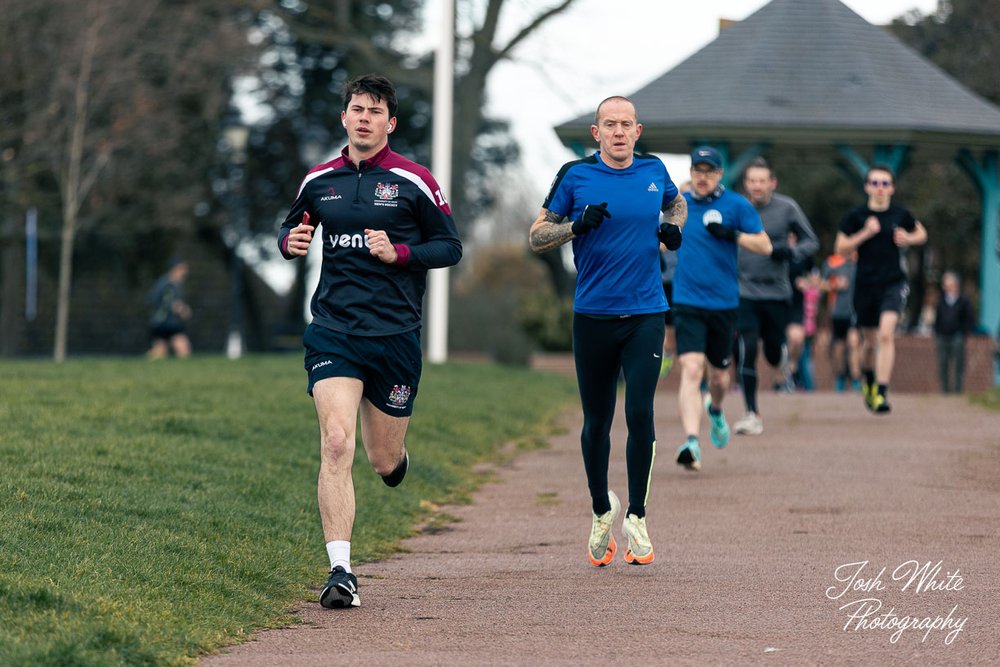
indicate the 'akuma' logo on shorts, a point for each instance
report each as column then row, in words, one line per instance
column 399, row 395
column 320, row 365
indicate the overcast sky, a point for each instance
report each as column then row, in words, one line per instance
column 610, row 47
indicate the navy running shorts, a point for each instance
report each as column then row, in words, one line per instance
column 768, row 317
column 389, row 366
column 870, row 302
column 710, row 332
column 165, row 331
column 841, row 326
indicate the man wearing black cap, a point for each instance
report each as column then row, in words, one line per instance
column 707, row 295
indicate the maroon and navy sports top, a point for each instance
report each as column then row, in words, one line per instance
column 358, row 293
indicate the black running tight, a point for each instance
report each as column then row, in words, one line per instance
column 604, row 348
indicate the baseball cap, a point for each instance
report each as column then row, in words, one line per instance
column 706, row 155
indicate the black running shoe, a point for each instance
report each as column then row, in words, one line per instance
column 396, row 476
column 880, row 405
column 341, row 590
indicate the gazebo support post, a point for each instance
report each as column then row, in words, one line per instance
column 985, row 173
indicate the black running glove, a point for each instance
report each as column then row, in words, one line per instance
column 781, row 253
column 670, row 235
column 593, row 216
column 720, row 231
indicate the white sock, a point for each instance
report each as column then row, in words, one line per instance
column 340, row 554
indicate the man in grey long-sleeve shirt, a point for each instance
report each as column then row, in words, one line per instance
column 765, row 289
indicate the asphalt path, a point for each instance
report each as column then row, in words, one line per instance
column 836, row 537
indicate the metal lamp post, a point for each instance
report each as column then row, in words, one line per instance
column 236, row 137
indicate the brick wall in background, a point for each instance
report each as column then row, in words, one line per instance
column 915, row 370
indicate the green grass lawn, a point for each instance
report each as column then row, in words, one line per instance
column 150, row 512
column 990, row 399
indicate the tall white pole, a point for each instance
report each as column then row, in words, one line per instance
column 444, row 74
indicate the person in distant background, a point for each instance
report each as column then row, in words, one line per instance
column 169, row 315
column 798, row 271
column 879, row 230
column 765, row 286
column 838, row 282
column 954, row 320
column 810, row 287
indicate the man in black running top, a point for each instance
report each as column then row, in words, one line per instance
column 879, row 231
column 382, row 222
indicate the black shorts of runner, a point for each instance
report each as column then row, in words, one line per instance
column 871, row 302
column 768, row 317
column 165, row 331
column 710, row 332
column 840, row 326
column 797, row 309
column 668, row 317
column 389, row 366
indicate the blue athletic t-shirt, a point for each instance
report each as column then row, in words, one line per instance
column 617, row 264
column 706, row 275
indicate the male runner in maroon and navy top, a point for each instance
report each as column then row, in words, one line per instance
column 383, row 222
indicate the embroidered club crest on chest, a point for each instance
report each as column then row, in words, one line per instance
column 399, row 395
column 386, row 194
column 386, row 191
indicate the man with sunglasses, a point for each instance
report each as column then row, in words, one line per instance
column 879, row 231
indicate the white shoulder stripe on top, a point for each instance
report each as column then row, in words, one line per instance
column 311, row 176
column 416, row 180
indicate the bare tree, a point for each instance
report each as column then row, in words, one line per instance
column 103, row 96
column 478, row 53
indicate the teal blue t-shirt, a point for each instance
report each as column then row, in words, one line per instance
column 618, row 264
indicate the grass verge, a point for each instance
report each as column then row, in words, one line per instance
column 989, row 399
column 150, row 512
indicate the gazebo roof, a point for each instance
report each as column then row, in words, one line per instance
column 806, row 72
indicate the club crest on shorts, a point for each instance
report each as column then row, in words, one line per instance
column 399, row 395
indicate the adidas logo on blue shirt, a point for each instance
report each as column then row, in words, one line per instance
column 652, row 188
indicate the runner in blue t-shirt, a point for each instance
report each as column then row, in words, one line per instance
column 707, row 296
column 615, row 199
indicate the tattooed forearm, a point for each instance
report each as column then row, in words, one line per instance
column 548, row 232
column 676, row 211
